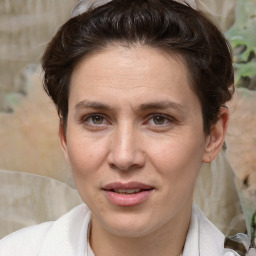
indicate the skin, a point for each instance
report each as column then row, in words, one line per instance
column 146, row 127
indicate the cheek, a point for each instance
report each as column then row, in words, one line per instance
column 178, row 165
column 85, row 156
column 86, row 159
column 177, row 160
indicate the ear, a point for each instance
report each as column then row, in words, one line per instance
column 63, row 141
column 215, row 139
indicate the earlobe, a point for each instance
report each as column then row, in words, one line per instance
column 216, row 137
column 63, row 141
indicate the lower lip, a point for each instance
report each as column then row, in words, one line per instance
column 127, row 199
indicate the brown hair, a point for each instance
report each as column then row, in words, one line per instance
column 163, row 24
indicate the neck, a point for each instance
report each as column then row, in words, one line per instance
column 165, row 241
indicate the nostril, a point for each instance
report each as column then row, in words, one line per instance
column 112, row 166
column 128, row 167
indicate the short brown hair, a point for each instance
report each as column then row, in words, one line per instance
column 163, row 24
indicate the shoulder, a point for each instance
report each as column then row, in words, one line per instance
column 212, row 237
column 32, row 240
column 26, row 241
column 207, row 238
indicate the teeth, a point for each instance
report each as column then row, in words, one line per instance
column 127, row 191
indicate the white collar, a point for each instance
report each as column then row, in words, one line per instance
column 68, row 234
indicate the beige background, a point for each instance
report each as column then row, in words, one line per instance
column 28, row 122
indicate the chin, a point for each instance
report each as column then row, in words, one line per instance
column 129, row 224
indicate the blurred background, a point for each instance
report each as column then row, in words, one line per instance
column 29, row 125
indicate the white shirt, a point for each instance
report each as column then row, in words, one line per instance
column 67, row 236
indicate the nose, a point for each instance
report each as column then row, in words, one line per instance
column 126, row 151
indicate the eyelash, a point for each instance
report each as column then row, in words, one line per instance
column 167, row 120
column 90, row 116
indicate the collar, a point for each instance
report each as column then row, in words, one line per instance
column 68, row 234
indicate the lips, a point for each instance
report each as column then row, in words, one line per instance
column 127, row 194
column 127, row 191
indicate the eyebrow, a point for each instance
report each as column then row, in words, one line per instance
column 146, row 106
column 92, row 104
column 161, row 105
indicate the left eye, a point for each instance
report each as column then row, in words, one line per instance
column 159, row 120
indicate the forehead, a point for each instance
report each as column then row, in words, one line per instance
column 136, row 72
column 129, row 62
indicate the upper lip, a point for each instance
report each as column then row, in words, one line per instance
column 129, row 185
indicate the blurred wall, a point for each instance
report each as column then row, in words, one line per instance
column 222, row 12
column 25, row 28
column 28, row 122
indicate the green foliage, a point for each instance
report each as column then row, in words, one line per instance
column 242, row 36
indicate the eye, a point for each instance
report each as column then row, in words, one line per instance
column 159, row 120
column 94, row 120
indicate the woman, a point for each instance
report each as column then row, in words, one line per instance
column 140, row 87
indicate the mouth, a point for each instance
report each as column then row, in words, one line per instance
column 128, row 191
column 127, row 194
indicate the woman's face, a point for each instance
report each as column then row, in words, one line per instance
column 134, row 139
